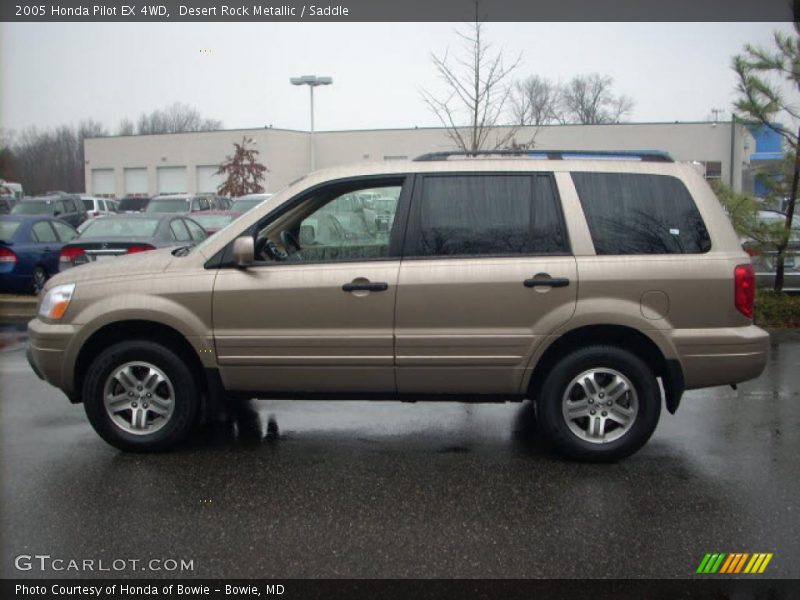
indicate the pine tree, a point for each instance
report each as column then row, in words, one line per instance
column 243, row 172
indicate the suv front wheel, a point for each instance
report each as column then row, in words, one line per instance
column 140, row 396
column 600, row 403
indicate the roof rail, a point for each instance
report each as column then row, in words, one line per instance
column 640, row 155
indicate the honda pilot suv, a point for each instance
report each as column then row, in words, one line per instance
column 596, row 285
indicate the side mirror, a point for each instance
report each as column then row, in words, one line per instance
column 244, row 251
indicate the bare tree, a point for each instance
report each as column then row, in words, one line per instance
column 534, row 101
column 243, row 172
column 53, row 159
column 477, row 91
column 126, row 127
column 175, row 118
column 588, row 100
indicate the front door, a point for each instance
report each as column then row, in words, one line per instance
column 316, row 314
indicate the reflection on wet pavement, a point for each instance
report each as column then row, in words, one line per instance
column 387, row 489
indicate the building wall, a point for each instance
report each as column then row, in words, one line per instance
column 286, row 153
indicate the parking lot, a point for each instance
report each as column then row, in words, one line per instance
column 338, row 489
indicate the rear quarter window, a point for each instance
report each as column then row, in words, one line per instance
column 636, row 213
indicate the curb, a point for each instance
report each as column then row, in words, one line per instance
column 16, row 309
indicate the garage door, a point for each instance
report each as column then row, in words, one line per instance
column 207, row 181
column 103, row 182
column 171, row 180
column 135, row 181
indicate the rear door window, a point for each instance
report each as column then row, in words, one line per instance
column 64, row 231
column 179, row 231
column 43, row 233
column 637, row 213
column 486, row 215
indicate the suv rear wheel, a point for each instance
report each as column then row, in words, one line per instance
column 140, row 396
column 600, row 403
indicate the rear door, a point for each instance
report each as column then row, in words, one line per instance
column 487, row 274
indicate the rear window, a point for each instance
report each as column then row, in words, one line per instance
column 120, row 228
column 633, row 213
column 213, row 221
column 8, row 229
column 132, row 203
column 35, row 207
column 168, row 206
column 486, row 215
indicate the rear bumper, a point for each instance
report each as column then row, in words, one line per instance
column 721, row 356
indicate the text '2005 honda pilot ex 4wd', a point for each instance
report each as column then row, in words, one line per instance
column 576, row 280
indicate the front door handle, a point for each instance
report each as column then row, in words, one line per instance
column 365, row 286
column 546, row 280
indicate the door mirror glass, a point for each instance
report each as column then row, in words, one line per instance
column 244, row 251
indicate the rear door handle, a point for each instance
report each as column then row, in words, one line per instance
column 367, row 286
column 546, row 281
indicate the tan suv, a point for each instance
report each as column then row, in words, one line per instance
column 578, row 281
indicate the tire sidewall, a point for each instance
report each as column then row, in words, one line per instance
column 599, row 357
column 186, row 397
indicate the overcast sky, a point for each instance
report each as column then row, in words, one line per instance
column 60, row 73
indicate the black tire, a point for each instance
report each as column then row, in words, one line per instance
column 39, row 279
column 186, row 397
column 554, row 424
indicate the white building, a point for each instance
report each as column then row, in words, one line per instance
column 186, row 162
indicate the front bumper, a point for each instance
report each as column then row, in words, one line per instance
column 721, row 356
column 48, row 354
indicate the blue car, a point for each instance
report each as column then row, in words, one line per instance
column 29, row 251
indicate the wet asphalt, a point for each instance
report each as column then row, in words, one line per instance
column 386, row 489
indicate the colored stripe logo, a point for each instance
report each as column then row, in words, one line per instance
column 734, row 563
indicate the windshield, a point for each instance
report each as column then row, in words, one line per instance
column 168, row 206
column 121, row 227
column 35, row 207
column 212, row 221
column 243, row 205
column 8, row 229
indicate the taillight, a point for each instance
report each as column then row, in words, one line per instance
column 96, row 213
column 69, row 254
column 744, row 289
column 7, row 256
column 140, row 248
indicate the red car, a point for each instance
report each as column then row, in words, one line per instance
column 214, row 220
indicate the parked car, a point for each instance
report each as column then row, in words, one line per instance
column 764, row 256
column 576, row 281
column 244, row 203
column 214, row 220
column 67, row 207
column 132, row 204
column 113, row 236
column 29, row 250
column 98, row 206
column 7, row 202
column 178, row 203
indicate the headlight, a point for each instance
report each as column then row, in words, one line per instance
column 56, row 301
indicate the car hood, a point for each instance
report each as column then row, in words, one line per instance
column 141, row 263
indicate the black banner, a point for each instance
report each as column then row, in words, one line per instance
column 395, row 10
column 415, row 589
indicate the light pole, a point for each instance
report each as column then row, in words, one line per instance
column 311, row 81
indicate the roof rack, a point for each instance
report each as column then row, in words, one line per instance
column 640, row 155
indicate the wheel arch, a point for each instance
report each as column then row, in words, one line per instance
column 136, row 329
column 628, row 338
